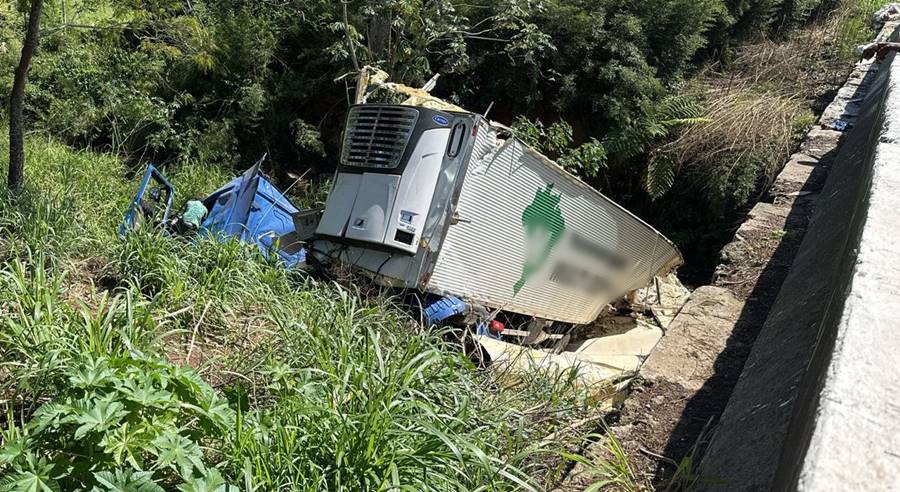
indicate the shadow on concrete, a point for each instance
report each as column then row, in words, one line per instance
column 703, row 410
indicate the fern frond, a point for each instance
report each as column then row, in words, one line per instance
column 623, row 142
column 679, row 122
column 660, row 175
column 677, row 108
column 635, row 140
column 655, row 130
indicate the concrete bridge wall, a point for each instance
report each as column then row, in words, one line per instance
column 815, row 407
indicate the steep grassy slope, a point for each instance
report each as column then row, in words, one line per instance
column 163, row 364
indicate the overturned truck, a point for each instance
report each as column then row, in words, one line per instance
column 439, row 200
column 434, row 200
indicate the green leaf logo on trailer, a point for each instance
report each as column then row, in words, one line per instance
column 544, row 227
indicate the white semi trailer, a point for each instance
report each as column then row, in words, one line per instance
column 437, row 201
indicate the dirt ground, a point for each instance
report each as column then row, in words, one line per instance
column 662, row 423
column 645, row 426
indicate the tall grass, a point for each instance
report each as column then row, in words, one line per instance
column 853, row 25
column 609, row 467
column 379, row 406
column 759, row 103
column 191, row 364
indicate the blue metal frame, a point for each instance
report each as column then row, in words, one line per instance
column 153, row 174
column 444, row 308
column 248, row 208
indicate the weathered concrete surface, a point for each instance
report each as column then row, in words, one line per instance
column 686, row 355
column 763, row 436
column 671, row 414
column 856, row 441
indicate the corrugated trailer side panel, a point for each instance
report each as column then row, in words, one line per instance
column 533, row 239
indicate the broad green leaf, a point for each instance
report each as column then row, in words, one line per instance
column 211, row 481
column 178, row 453
column 95, row 372
column 145, row 394
column 126, row 481
column 12, row 450
column 49, row 415
column 28, row 481
column 127, row 443
column 102, row 416
column 35, row 475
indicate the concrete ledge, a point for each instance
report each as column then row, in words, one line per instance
column 687, row 354
column 856, row 441
column 834, row 325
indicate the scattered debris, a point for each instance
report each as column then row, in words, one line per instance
column 373, row 87
column 625, row 352
column 839, row 125
column 249, row 208
column 664, row 297
column 605, row 383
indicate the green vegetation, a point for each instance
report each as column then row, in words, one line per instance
column 224, row 81
column 756, row 107
column 614, row 83
column 157, row 364
column 611, row 469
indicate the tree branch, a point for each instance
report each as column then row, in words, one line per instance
column 63, row 27
column 349, row 38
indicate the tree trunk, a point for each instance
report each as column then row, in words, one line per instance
column 379, row 36
column 17, row 98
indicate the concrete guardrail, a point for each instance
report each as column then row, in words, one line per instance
column 816, row 407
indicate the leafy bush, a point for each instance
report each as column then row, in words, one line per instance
column 226, row 81
column 626, row 145
column 107, row 405
column 133, row 418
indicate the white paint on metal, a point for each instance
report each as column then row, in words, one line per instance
column 376, row 196
column 417, row 190
column 340, row 204
column 603, row 253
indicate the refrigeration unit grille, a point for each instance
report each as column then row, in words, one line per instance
column 376, row 136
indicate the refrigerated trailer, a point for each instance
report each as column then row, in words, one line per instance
column 446, row 202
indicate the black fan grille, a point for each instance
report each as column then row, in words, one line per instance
column 377, row 136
